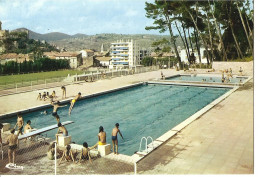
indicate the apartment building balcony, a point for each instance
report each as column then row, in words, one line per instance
column 120, row 63
column 119, row 47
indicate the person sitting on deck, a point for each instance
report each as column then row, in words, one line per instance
column 27, row 126
column 44, row 96
column 230, row 73
column 73, row 102
column 162, row 76
column 47, row 95
column 101, row 136
column 39, row 97
column 51, row 151
column 62, row 131
column 12, row 141
column 85, row 153
column 68, row 155
column 53, row 94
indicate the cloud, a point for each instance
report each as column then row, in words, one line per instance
column 131, row 13
column 74, row 16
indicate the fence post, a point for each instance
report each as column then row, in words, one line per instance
column 135, row 168
column 55, row 156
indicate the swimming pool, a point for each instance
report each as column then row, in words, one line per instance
column 207, row 78
column 144, row 110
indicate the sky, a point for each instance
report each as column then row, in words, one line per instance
column 76, row 16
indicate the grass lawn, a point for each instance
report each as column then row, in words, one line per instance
column 36, row 76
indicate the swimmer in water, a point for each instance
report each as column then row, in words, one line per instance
column 44, row 112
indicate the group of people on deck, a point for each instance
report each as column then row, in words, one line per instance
column 46, row 96
column 69, row 155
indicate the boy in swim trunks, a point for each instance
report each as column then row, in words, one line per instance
column 63, row 91
column 101, row 136
column 114, row 137
column 12, row 141
column 55, row 109
column 85, row 152
column 20, row 124
column 62, row 131
column 73, row 102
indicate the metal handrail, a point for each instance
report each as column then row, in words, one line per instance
column 141, row 143
column 146, row 146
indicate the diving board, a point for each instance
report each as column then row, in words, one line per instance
column 42, row 130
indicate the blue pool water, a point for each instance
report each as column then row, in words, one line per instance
column 208, row 78
column 145, row 110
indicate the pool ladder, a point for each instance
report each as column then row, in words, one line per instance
column 146, row 146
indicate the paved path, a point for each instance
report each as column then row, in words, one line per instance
column 219, row 142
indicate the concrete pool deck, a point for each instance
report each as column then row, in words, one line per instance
column 219, row 142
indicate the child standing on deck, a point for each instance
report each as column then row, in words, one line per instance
column 114, row 137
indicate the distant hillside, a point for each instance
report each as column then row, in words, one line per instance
column 82, row 41
column 54, row 36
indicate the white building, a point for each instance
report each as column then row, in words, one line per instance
column 104, row 61
column 87, row 53
column 124, row 54
column 74, row 58
column 203, row 55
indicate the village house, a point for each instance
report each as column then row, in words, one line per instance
column 74, row 57
column 87, row 53
column 104, row 61
column 14, row 57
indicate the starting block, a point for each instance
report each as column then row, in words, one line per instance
column 104, row 149
column 6, row 127
column 64, row 140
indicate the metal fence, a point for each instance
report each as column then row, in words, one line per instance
column 24, row 86
column 40, row 155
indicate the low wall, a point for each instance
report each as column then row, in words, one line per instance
column 247, row 67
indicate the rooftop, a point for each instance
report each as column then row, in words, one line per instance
column 103, row 58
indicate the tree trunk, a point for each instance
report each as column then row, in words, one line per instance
column 187, row 44
column 241, row 17
column 173, row 40
column 210, row 38
column 232, row 31
column 235, row 39
column 190, row 41
column 181, row 38
column 250, row 31
column 197, row 44
column 219, row 33
column 205, row 44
